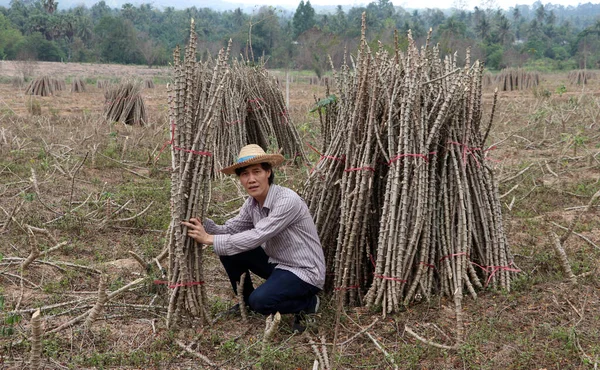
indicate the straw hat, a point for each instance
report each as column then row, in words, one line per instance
column 253, row 154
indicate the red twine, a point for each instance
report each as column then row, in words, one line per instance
column 493, row 269
column 428, row 265
column 466, row 150
column 170, row 142
column 453, row 255
column 416, row 155
column 382, row 276
column 321, row 157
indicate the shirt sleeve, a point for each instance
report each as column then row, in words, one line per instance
column 286, row 211
column 241, row 222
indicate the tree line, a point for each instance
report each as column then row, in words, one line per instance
column 539, row 36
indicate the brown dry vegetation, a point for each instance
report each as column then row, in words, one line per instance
column 95, row 187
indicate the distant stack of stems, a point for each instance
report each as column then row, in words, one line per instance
column 254, row 112
column 77, row 85
column 124, row 103
column 42, row 86
column 428, row 220
column 512, row 79
column 580, row 77
column 194, row 101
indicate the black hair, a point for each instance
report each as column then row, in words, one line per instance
column 265, row 166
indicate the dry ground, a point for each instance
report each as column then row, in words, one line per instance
column 100, row 191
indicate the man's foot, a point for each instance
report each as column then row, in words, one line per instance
column 303, row 319
column 315, row 308
column 231, row 311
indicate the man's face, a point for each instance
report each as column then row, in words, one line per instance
column 256, row 181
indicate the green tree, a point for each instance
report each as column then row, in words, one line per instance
column 117, row 40
column 10, row 37
column 304, row 18
column 39, row 48
column 503, row 30
column 339, row 22
column 99, row 11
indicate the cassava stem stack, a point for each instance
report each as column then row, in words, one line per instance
column 407, row 188
column 254, row 112
column 194, row 100
column 123, row 103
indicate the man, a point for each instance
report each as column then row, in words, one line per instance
column 273, row 236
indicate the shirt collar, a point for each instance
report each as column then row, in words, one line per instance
column 271, row 194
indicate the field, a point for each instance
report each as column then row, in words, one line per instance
column 86, row 193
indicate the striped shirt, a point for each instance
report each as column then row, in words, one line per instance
column 283, row 226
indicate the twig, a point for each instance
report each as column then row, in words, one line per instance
column 125, row 168
column 124, row 288
column 433, row 344
column 517, row 175
column 550, row 169
column 73, row 180
column 271, row 325
column 196, row 354
column 577, row 234
column 34, row 253
column 240, row 297
column 508, row 192
column 576, row 219
column 95, row 311
column 20, row 278
column 574, row 309
column 36, row 340
column 136, row 215
column 52, row 249
column 145, row 265
column 46, row 308
column 11, row 215
column 359, row 333
column 108, row 298
column 562, row 257
column 379, row 347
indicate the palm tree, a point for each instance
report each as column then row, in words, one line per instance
column 504, row 33
column 483, row 27
column 540, row 14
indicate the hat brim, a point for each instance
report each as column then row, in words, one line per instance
column 273, row 159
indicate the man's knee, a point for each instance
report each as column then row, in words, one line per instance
column 259, row 302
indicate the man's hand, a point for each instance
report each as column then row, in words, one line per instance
column 196, row 231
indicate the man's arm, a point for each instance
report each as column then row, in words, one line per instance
column 237, row 224
column 196, row 231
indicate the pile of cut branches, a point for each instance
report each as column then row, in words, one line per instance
column 59, row 85
column 148, row 84
column 123, row 103
column 42, row 86
column 254, row 112
column 194, row 101
column 404, row 182
column 511, row 79
column 77, row 85
column 580, row 77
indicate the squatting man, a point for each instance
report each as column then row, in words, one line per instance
column 273, row 236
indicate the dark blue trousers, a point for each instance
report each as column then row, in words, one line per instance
column 282, row 291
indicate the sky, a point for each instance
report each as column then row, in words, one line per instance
column 422, row 4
